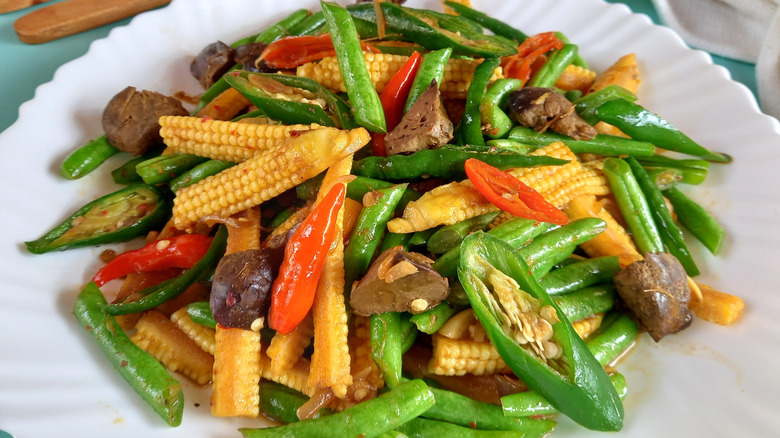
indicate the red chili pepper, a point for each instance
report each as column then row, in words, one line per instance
column 519, row 66
column 510, row 194
column 181, row 251
column 393, row 99
column 292, row 294
column 290, row 52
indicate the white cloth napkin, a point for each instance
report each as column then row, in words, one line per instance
column 746, row 30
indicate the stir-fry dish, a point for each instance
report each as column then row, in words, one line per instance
column 387, row 221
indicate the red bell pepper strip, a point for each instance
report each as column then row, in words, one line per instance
column 393, row 99
column 510, row 194
column 181, row 251
column 290, row 52
column 519, row 66
column 292, row 293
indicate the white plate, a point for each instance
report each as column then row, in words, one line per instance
column 706, row 381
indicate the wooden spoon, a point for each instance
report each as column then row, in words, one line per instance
column 73, row 16
column 15, row 5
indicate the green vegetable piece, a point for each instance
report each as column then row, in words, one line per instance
column 580, row 274
column 552, row 69
column 366, row 106
column 314, row 24
column 505, row 144
column 168, row 290
column 408, row 331
column 471, row 125
column 586, row 106
column 337, row 107
column 126, row 174
column 664, row 177
column 427, row 428
column 392, row 240
column 361, row 185
column 198, row 173
column 368, row 419
column 450, row 236
column 214, row 90
column 496, row 121
column 496, row 26
column 694, row 171
column 282, row 403
column 117, row 217
column 142, row 371
column 633, row 205
column 87, row 158
column 499, row 91
column 575, row 383
column 607, row 145
column 697, row 220
column 420, row 238
column 164, row 168
column 200, row 313
column 386, row 345
column 644, row 125
column 431, row 69
column 586, row 301
column 275, row 31
column 434, row 318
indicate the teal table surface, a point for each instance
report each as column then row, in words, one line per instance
column 24, row 67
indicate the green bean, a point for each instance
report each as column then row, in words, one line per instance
column 164, row 168
column 573, row 95
column 580, row 274
column 587, row 105
column 450, row 236
column 281, row 217
column 367, row 234
column 498, row 27
column 552, row 69
column 368, row 419
column 171, row 289
column 198, row 173
column 671, row 236
column 633, row 205
column 664, row 177
column 550, row 248
column 420, row 238
column 141, row 370
column 694, row 171
column 126, row 174
column 408, row 331
column 366, row 106
column 516, row 232
column 274, row 31
column 386, row 349
column 511, row 146
column 499, row 91
column 434, row 318
column 392, row 434
column 200, row 313
column 578, row 60
column 602, row 144
column 613, row 338
column 431, row 69
column 392, row 240
column 87, row 158
column 586, row 301
column 471, row 125
column 314, row 24
column 495, row 119
column 697, row 220
column 282, row 403
column 426, row 428
column 362, row 185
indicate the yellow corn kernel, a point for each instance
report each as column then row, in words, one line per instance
column 266, row 175
column 225, row 106
column 575, row 77
column 381, row 67
column 297, row 377
column 366, row 377
column 203, row 336
column 586, row 326
column 458, row 201
column 285, row 350
column 237, row 370
column 456, row 357
column 223, row 140
column 589, row 180
column 157, row 335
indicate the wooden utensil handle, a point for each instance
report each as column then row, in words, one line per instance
column 74, row 16
column 14, row 5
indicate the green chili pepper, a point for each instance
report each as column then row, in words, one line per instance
column 461, row 410
column 645, row 125
column 693, row 171
column 586, row 301
column 141, row 370
column 367, row 234
column 164, row 168
column 434, row 318
column 285, row 111
column 453, row 23
column 386, row 348
column 198, row 173
column 671, row 236
column 368, row 419
column 633, row 205
column 450, row 236
column 126, row 174
column 87, row 158
column 498, row 27
column 171, row 289
column 336, row 105
column 552, row 69
column 697, row 220
column 575, row 383
column 117, row 217
column 282, row 403
column 471, row 125
column 431, row 69
column 607, row 145
column 587, row 105
column 580, row 274
column 200, row 313
column 364, row 98
column 443, row 162
column 516, row 232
